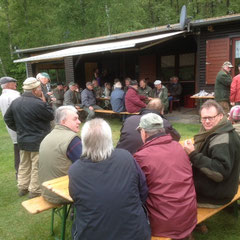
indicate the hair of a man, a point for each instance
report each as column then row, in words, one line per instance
column 155, row 104
column 211, row 103
column 4, row 85
column 97, row 144
column 62, row 112
column 117, row 85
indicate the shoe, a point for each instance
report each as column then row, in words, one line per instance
column 201, row 228
column 33, row 195
column 22, row 192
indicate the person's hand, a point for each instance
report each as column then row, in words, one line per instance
column 91, row 108
column 53, row 99
column 49, row 93
column 150, row 98
column 188, row 146
column 232, row 103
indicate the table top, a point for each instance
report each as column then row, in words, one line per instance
column 59, row 186
column 203, row 97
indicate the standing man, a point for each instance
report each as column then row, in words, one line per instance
column 30, row 116
column 171, row 201
column 214, row 157
column 9, row 94
column 89, row 101
column 161, row 92
column 44, row 79
column 222, row 86
column 235, row 89
column 59, row 149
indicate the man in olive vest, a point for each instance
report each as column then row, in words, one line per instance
column 59, row 149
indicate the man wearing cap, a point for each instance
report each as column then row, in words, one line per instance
column 44, row 79
column 235, row 89
column 30, row 116
column 160, row 91
column 171, row 201
column 214, row 157
column 133, row 101
column 89, row 101
column 130, row 138
column 234, row 117
column 9, row 94
column 58, row 94
column 71, row 95
column 222, row 86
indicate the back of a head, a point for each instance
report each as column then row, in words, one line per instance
column 62, row 112
column 234, row 114
column 117, row 85
column 152, row 123
column 96, row 138
column 156, row 105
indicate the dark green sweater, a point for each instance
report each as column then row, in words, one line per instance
column 222, row 86
column 216, row 166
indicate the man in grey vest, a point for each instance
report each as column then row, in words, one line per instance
column 59, row 149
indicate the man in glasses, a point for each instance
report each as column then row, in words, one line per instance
column 214, row 157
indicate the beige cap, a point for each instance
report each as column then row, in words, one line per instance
column 30, row 83
column 228, row 64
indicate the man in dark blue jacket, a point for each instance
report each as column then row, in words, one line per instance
column 117, row 98
column 108, row 189
column 30, row 116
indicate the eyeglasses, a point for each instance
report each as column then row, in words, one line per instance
column 210, row 119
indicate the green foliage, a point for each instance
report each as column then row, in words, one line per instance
column 31, row 23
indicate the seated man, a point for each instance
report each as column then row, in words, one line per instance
column 71, row 95
column 214, row 157
column 130, row 138
column 117, row 98
column 89, row 101
column 108, row 189
column 144, row 89
column 174, row 89
column 59, row 149
column 161, row 92
column 134, row 101
column 97, row 89
column 171, row 201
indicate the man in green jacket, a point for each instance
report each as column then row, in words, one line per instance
column 222, row 86
column 214, row 157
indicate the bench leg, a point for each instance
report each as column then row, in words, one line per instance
column 52, row 221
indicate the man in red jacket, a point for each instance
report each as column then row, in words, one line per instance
column 171, row 201
column 235, row 89
column 134, row 101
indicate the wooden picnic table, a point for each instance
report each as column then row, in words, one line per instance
column 201, row 98
column 59, row 186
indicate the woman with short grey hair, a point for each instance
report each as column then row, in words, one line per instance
column 108, row 189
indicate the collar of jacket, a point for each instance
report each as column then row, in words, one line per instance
column 29, row 94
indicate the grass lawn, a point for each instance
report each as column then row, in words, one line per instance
column 17, row 224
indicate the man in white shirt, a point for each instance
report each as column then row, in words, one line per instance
column 9, row 93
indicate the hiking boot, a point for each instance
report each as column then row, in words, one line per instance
column 22, row 192
column 33, row 195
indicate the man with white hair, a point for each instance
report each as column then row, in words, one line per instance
column 171, row 201
column 117, row 98
column 9, row 94
column 44, row 79
column 108, row 189
column 160, row 91
column 59, row 149
column 30, row 116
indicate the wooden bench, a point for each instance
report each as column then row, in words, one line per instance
column 110, row 112
column 39, row 204
column 205, row 213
